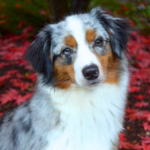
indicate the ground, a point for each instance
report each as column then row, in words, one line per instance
column 17, row 80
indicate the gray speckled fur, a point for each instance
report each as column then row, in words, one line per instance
column 27, row 126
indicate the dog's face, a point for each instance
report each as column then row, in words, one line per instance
column 83, row 49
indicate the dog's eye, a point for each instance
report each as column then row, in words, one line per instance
column 98, row 42
column 67, row 51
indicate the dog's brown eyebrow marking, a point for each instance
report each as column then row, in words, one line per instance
column 70, row 41
column 90, row 35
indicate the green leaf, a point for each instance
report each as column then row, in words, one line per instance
column 26, row 74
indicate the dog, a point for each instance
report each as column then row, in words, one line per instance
column 81, row 89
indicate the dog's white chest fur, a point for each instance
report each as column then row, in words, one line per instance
column 90, row 119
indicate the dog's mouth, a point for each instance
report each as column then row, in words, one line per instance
column 93, row 84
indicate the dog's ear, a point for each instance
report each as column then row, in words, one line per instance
column 38, row 54
column 117, row 29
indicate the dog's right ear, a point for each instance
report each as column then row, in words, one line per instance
column 38, row 54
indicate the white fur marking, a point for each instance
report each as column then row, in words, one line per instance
column 84, row 126
column 84, row 56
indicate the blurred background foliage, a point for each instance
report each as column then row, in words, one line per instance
column 137, row 11
column 15, row 15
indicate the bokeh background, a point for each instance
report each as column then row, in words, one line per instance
column 15, row 15
column 20, row 21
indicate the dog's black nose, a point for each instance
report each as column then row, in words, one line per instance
column 90, row 72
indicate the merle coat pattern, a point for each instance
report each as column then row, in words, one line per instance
column 47, row 121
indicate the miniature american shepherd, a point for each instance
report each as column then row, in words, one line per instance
column 81, row 89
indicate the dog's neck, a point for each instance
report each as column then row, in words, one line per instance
column 78, row 99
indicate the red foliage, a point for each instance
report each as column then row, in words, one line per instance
column 17, row 73
column 17, row 80
column 10, row 95
column 138, row 107
column 123, row 7
column 145, row 146
column 146, row 126
column 2, row 22
column 18, row 5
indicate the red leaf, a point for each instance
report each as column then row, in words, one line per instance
column 20, row 76
column 28, row 67
column 12, row 72
column 145, row 146
column 2, row 21
column 124, row 8
column 141, row 97
column 128, row 110
column 27, row 30
column 19, row 83
column 141, row 104
column 124, row 144
column 10, row 95
column 146, row 126
column 43, row 12
column 145, row 139
column 32, row 76
column 20, row 99
column 132, row 24
column 2, row 64
column 18, row 5
column 133, row 89
column 136, row 114
column 20, row 24
column 13, row 56
column 8, row 45
column 3, row 79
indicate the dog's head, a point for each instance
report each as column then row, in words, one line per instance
column 84, row 49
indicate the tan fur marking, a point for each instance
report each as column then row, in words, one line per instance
column 110, row 65
column 90, row 35
column 70, row 41
column 64, row 75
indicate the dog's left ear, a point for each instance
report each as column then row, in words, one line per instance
column 38, row 54
column 117, row 29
